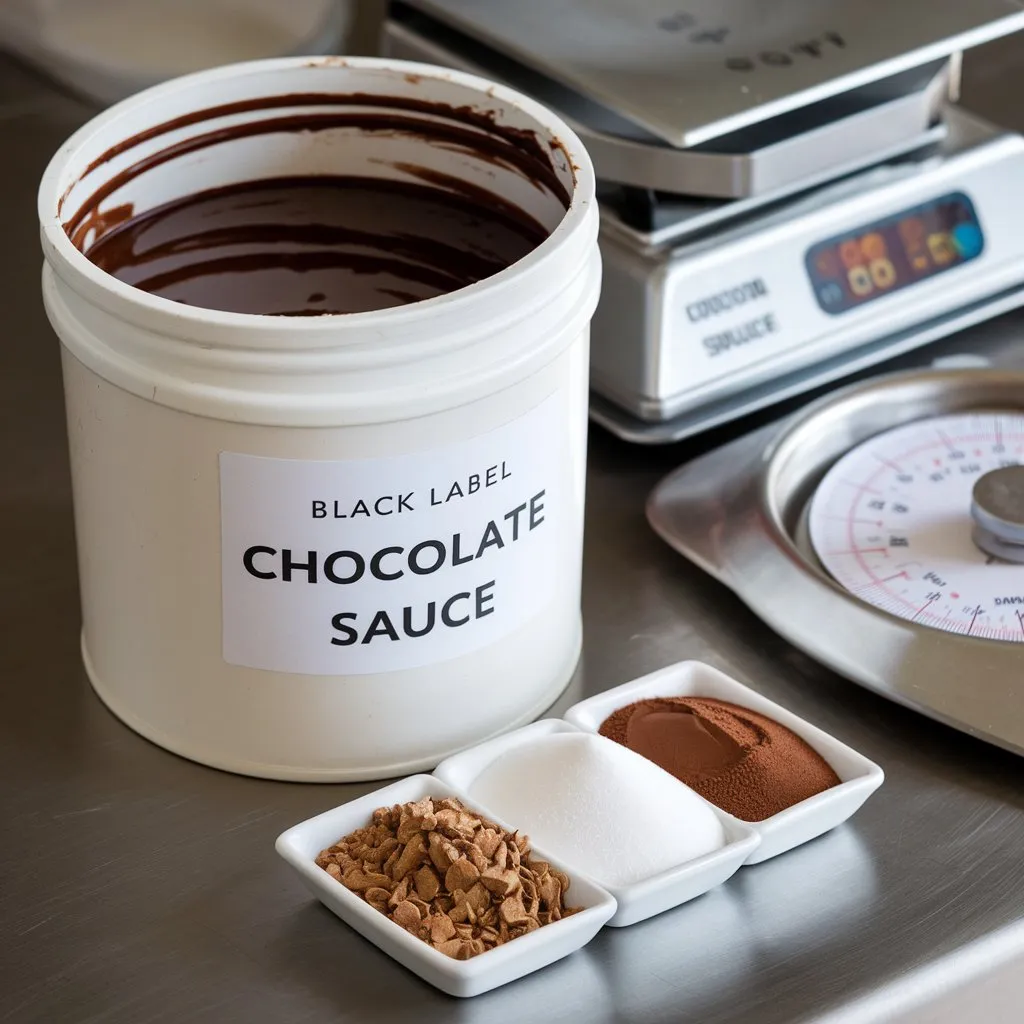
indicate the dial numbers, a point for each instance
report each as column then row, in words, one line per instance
column 891, row 522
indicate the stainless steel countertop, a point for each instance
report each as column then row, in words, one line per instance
column 138, row 887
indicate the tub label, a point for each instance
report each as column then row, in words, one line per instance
column 372, row 565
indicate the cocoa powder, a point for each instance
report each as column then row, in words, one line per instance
column 744, row 762
column 448, row 876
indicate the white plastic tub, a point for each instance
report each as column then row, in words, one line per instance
column 212, row 452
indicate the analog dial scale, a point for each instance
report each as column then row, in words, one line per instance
column 892, row 522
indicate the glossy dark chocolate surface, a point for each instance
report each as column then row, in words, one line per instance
column 314, row 245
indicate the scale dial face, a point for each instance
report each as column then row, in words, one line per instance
column 891, row 522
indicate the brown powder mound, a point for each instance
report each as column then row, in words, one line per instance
column 744, row 762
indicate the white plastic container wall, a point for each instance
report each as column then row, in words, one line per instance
column 336, row 547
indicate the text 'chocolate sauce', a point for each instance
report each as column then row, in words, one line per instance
column 304, row 246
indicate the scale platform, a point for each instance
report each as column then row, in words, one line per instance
column 788, row 192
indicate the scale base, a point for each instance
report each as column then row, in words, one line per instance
column 628, row 427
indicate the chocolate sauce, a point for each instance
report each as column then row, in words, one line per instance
column 514, row 147
column 475, row 132
column 304, row 246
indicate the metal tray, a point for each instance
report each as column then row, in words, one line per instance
column 737, row 513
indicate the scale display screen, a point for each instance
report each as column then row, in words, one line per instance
column 877, row 259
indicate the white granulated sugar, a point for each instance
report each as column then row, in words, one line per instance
column 598, row 807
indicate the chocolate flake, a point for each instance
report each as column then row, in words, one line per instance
column 458, row 882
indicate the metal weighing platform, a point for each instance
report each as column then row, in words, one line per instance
column 139, row 888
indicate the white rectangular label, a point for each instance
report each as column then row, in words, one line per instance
column 372, row 565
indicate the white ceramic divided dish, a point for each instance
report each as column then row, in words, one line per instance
column 300, row 845
column 798, row 824
column 639, row 900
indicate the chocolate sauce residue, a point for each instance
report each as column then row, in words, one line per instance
column 463, row 128
column 313, row 245
column 524, row 140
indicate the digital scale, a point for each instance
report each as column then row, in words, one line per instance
column 788, row 192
